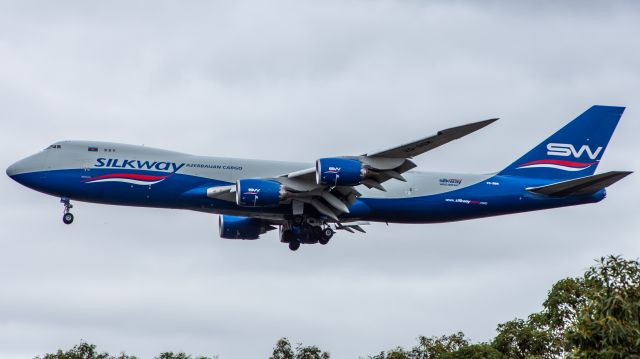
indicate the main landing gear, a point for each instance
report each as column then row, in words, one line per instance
column 299, row 231
column 67, row 217
column 326, row 235
column 294, row 245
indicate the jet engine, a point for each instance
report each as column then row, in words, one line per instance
column 234, row 227
column 258, row 193
column 340, row 172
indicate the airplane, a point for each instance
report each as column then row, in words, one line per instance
column 309, row 203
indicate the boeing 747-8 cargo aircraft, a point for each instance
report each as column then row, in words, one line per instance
column 308, row 203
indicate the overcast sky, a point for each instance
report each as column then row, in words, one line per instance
column 297, row 80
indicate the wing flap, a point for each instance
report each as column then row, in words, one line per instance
column 581, row 186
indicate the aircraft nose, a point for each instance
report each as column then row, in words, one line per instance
column 13, row 169
column 22, row 166
column 29, row 172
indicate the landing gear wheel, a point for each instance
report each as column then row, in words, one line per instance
column 316, row 233
column 294, row 245
column 288, row 236
column 297, row 220
column 67, row 218
column 327, row 233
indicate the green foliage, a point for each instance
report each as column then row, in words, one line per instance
column 397, row 353
column 181, row 355
column 475, row 351
column 428, row 348
column 283, row 350
column 595, row 316
column 310, row 352
column 172, row 355
column 88, row 351
column 83, row 351
column 563, row 302
column 521, row 339
column 435, row 347
column 608, row 325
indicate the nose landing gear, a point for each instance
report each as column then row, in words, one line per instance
column 67, row 217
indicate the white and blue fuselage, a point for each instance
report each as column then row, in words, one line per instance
column 140, row 176
column 129, row 175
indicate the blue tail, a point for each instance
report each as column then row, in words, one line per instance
column 572, row 152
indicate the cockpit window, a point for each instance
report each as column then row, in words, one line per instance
column 53, row 146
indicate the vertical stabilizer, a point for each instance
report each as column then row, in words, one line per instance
column 574, row 151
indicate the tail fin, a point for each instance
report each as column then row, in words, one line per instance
column 572, row 152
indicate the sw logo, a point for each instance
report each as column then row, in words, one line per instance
column 567, row 149
column 333, row 170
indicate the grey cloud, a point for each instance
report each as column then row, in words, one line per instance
column 307, row 79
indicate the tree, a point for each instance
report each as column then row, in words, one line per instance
column 608, row 324
column 397, row 353
column 310, row 352
column 475, row 351
column 88, row 351
column 520, row 339
column 282, row 350
column 181, row 355
column 83, row 350
column 561, row 307
column 172, row 355
column 436, row 347
column 595, row 316
column 428, row 348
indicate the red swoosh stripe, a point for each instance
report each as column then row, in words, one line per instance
column 128, row 176
column 559, row 162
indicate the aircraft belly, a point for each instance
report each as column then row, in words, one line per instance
column 488, row 196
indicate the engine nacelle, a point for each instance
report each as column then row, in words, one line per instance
column 258, row 193
column 234, row 227
column 339, row 172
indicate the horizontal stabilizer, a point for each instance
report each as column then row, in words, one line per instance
column 581, row 186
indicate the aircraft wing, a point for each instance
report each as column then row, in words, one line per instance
column 421, row 146
column 392, row 162
column 331, row 199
